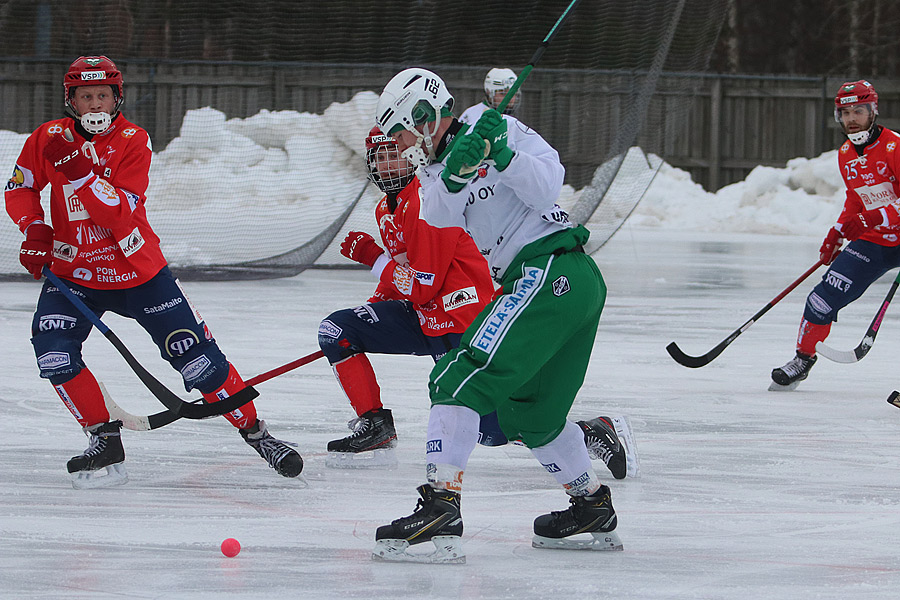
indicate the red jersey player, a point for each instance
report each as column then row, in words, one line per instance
column 431, row 284
column 870, row 166
column 100, row 243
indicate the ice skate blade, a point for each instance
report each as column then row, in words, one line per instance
column 448, row 551
column 777, row 387
column 88, row 480
column 606, row 542
column 383, row 458
column 626, row 438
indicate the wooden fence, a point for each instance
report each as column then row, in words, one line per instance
column 733, row 123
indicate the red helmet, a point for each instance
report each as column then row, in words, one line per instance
column 856, row 92
column 386, row 168
column 93, row 70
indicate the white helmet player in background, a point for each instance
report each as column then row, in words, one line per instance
column 412, row 98
column 497, row 83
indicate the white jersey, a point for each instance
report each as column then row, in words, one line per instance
column 502, row 211
column 471, row 114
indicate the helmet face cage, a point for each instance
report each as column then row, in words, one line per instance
column 386, row 167
column 93, row 70
column 499, row 81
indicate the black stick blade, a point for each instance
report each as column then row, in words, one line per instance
column 692, row 362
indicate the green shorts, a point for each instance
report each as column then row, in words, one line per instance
column 526, row 353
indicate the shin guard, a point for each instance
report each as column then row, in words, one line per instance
column 452, row 435
column 357, row 378
column 566, row 458
column 242, row 417
column 84, row 399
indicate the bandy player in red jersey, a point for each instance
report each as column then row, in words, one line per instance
column 870, row 166
column 98, row 240
column 432, row 282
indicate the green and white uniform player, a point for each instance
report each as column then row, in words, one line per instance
column 526, row 354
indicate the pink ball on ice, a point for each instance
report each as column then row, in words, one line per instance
column 231, row 547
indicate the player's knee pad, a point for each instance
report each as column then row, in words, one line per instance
column 337, row 335
column 58, row 357
column 202, row 366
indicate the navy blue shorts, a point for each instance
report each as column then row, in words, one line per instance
column 857, row 267
column 160, row 308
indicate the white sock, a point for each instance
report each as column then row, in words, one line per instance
column 566, row 458
column 452, row 435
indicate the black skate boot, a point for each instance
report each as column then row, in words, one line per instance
column 104, row 451
column 789, row 376
column 369, row 445
column 587, row 514
column 603, row 444
column 280, row 456
column 436, row 519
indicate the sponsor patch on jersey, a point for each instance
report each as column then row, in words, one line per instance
column 366, row 313
column 552, row 467
column 74, row 208
column 432, row 446
column 53, row 322
column 876, row 196
column 105, row 192
column 64, row 251
column 561, row 286
column 329, row 329
column 132, row 242
column 133, row 199
column 180, row 341
column 838, row 281
column 424, row 278
column 53, row 360
column 82, row 274
column 195, row 368
column 403, row 279
column 460, row 298
column 21, row 177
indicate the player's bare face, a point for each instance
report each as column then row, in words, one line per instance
column 93, row 99
column 856, row 118
column 390, row 164
column 405, row 139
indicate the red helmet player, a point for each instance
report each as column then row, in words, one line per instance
column 860, row 99
column 89, row 71
column 386, row 168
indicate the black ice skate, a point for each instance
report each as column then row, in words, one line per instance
column 603, row 444
column 280, row 456
column 593, row 515
column 104, row 451
column 436, row 519
column 370, row 445
column 788, row 377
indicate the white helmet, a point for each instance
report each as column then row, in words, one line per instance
column 414, row 97
column 501, row 80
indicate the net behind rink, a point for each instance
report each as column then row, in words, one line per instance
column 258, row 111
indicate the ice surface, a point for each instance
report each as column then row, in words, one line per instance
column 743, row 493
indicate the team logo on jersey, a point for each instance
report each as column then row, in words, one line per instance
column 482, row 170
column 64, row 251
column 131, row 243
column 18, row 179
column 54, row 129
column 105, row 192
column 180, row 341
column 561, row 286
column 127, row 133
column 890, row 146
column 459, row 298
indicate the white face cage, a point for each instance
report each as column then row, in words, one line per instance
column 96, row 123
column 387, row 169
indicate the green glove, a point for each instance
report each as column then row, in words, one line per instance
column 492, row 127
column 462, row 164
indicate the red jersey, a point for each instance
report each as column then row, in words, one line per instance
column 438, row 269
column 872, row 183
column 101, row 235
